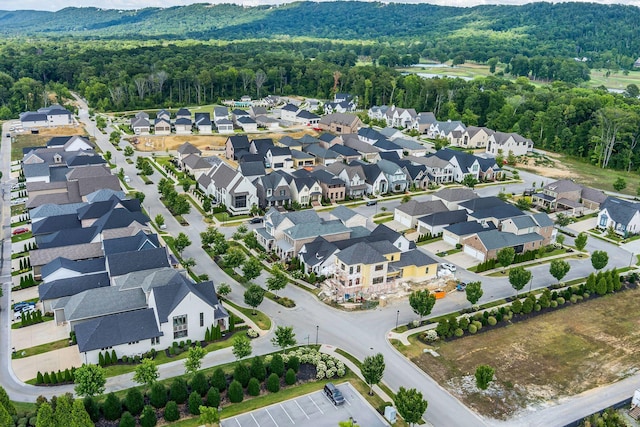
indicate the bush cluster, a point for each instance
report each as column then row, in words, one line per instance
column 51, row 378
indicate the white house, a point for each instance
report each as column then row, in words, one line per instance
column 621, row 215
column 229, row 187
column 55, row 115
column 508, row 142
column 288, row 113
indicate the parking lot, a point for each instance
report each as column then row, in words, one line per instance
column 313, row 409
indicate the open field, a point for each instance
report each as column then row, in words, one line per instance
column 539, row 360
column 25, row 140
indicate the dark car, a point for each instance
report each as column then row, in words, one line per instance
column 256, row 220
column 19, row 306
column 334, row 395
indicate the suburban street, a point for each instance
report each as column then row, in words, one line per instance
column 359, row 333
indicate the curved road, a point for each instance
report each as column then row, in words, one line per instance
column 359, row 333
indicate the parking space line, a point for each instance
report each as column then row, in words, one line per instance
column 239, row 425
column 321, row 411
column 269, row 413
column 254, row 419
column 285, row 411
column 330, row 402
column 305, row 414
column 347, row 400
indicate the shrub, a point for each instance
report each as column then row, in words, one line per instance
column 257, row 369
column 458, row 332
column 241, row 374
column 134, row 401
column 112, row 408
column 290, row 377
column 178, row 391
column 213, row 397
column 127, row 420
column 573, row 299
column 195, row 401
column 430, row 335
column 273, row 383
column 478, row 325
column 473, row 329
column 235, row 393
column 553, row 304
column 254, row 387
column 293, row 363
column 199, row 383
column 252, row 333
column 527, row 306
column 560, row 300
column 277, row 365
column 171, row 412
column 91, row 406
column 158, row 396
column 463, row 323
column 219, row 380
column 516, row 306
column 107, row 358
column 491, row 321
column 39, row 378
column 148, row 417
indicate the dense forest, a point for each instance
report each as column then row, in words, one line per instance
column 129, row 60
column 606, row 34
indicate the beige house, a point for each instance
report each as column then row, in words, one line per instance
column 476, row 137
column 340, row 123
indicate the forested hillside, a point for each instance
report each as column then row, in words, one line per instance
column 604, row 33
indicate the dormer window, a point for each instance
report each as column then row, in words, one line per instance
column 57, row 158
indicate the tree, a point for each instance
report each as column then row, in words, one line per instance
column 148, row 417
column 559, row 269
column 181, row 242
column 134, row 401
column 581, row 241
column 193, row 362
column 273, row 383
column 257, row 369
column 199, row 383
column 560, row 239
column 277, row 365
column 523, row 204
column 484, row 375
column 146, row 373
column 410, row 404
column 178, row 391
column 505, row 256
column 159, row 220
column 90, row 380
column 474, row 292
column 242, row 374
column 518, row 277
column 213, row 397
column 251, row 268
column 6, row 402
column 234, row 258
column 253, row 296
column 290, row 377
column 128, row 151
column 127, row 420
column 599, row 259
column 223, row 289
column 469, row 181
column 563, row 220
column 6, row 420
column 219, row 380
column 92, row 408
column 195, row 402
column 372, row 370
column 619, row 184
column 284, row 337
column 254, row 387
column 158, row 396
column 241, row 346
column 45, row 417
column 277, row 280
column 112, row 408
column 208, row 416
column 422, row 302
column 235, row 393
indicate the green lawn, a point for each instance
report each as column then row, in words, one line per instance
column 260, row 319
column 17, row 325
column 44, row 348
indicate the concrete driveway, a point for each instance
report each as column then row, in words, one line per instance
column 312, row 409
column 38, row 334
column 463, row 260
column 437, row 246
column 65, row 358
column 585, row 225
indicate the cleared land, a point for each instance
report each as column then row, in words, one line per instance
column 539, row 360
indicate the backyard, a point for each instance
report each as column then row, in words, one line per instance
column 540, row 360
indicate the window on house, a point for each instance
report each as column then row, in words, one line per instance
column 180, row 326
column 379, row 267
column 282, row 192
column 155, row 340
column 358, row 269
column 201, row 320
column 378, row 280
column 351, row 270
column 240, row 201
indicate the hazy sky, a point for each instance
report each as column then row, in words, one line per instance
column 53, row 5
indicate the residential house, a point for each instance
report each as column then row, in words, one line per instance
column 275, row 223
column 391, row 133
column 183, row 113
column 278, row 158
column 255, row 111
column 339, row 107
column 187, row 149
column 340, row 123
column 305, row 190
column 307, row 118
column 489, row 209
column 376, row 179
column 195, row 165
column 183, row 125
column 247, row 124
column 273, row 189
column 42, row 257
column 252, row 170
column 386, row 146
column 288, row 113
column 485, row 245
column 333, row 188
column 342, row 97
column 202, row 123
column 236, row 146
column 140, row 123
column 295, row 237
column 408, row 213
column 237, row 113
column 377, row 112
column 354, row 177
column 452, row 197
column 367, row 151
column 54, row 115
column 326, row 140
column 230, row 188
column 162, row 126
column 435, row 223
column 476, row 137
column 52, row 291
column 301, row 159
column 164, row 114
column 566, row 195
column 349, row 217
column 455, row 234
column 396, row 177
column 323, row 156
column 417, row 175
column 70, row 143
column 623, row 216
column 369, row 135
column 318, row 257
column 220, row 113
column 291, row 143
column 424, row 122
column 400, row 117
column 441, row 129
column 348, row 154
column 463, row 163
column 501, row 142
column 224, row 126
column 267, row 122
column 410, row 147
column 439, row 171
column 537, row 223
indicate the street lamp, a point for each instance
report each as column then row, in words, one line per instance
column 397, row 316
column 317, row 329
column 631, row 260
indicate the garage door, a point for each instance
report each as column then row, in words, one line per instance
column 449, row 239
column 474, row 253
column 403, row 219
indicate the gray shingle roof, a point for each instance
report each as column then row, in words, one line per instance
column 343, row 213
column 414, row 257
column 85, row 266
column 65, row 238
column 494, row 239
column 188, row 148
column 360, row 253
column 469, row 227
column 543, row 219
column 148, row 279
column 317, row 251
column 456, row 194
column 56, row 223
column 72, row 252
column 480, row 203
column 126, row 262
column 112, row 300
column 139, row 242
column 72, row 285
column 415, row 208
column 50, row 209
column 312, row 229
column 445, row 217
column 498, row 212
column 169, row 296
column 620, row 210
column 524, row 221
column 116, row 329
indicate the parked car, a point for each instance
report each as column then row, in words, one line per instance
column 8, row 135
column 20, row 305
column 256, row 220
column 372, row 202
column 460, row 287
column 447, row 266
column 24, row 310
column 20, row 230
column 334, row 395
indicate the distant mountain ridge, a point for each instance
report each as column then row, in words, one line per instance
column 568, row 29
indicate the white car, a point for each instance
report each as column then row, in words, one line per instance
column 25, row 310
column 447, row 266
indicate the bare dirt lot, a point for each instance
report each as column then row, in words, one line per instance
column 539, row 360
column 552, row 167
column 216, row 141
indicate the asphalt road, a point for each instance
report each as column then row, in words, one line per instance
column 359, row 333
